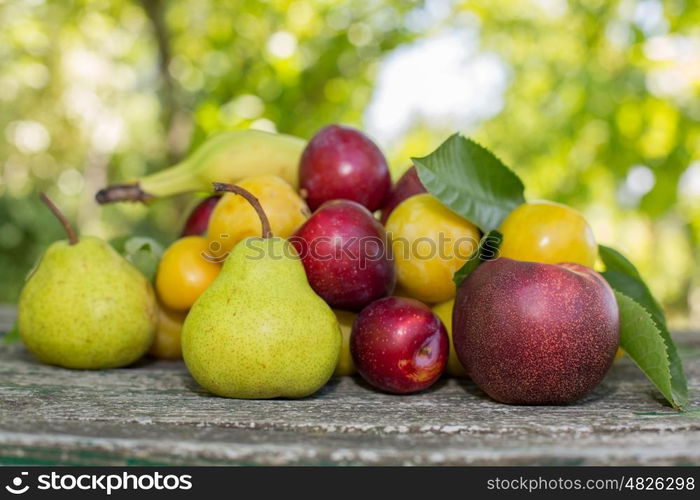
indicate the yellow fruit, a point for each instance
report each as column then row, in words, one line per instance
column 429, row 242
column 444, row 312
column 234, row 218
column 619, row 354
column 544, row 231
column 166, row 344
column 345, row 365
column 185, row 272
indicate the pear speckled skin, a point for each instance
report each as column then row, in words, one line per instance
column 535, row 333
column 86, row 307
column 259, row 331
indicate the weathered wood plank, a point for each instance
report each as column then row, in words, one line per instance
column 154, row 413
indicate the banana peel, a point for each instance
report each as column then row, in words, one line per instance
column 225, row 157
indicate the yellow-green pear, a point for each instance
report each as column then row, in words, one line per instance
column 85, row 306
column 259, row 330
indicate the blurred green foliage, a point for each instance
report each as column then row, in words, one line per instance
column 601, row 109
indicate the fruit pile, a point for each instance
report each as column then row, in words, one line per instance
column 305, row 262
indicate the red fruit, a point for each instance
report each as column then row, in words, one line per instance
column 344, row 251
column 399, row 345
column 534, row 333
column 342, row 163
column 407, row 185
column 198, row 220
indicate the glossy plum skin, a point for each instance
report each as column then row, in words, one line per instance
column 399, row 345
column 342, row 163
column 408, row 185
column 344, row 251
column 535, row 333
column 198, row 220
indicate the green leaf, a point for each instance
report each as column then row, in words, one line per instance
column 471, row 181
column 136, row 244
column 13, row 335
column 623, row 276
column 637, row 289
column 143, row 252
column 615, row 261
column 643, row 342
column 488, row 250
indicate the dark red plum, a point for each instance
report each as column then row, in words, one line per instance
column 534, row 333
column 342, row 163
column 198, row 220
column 399, row 345
column 408, row 185
column 344, row 250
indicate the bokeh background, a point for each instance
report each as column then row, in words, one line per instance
column 594, row 103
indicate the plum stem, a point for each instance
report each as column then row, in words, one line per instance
column 72, row 238
column 250, row 198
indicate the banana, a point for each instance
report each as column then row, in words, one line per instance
column 226, row 157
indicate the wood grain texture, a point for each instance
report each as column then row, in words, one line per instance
column 154, row 413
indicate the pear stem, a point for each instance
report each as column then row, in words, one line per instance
column 250, row 198
column 122, row 192
column 72, row 238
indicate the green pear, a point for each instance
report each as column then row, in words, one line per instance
column 85, row 306
column 259, row 330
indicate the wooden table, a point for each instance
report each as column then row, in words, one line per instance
column 154, row 413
